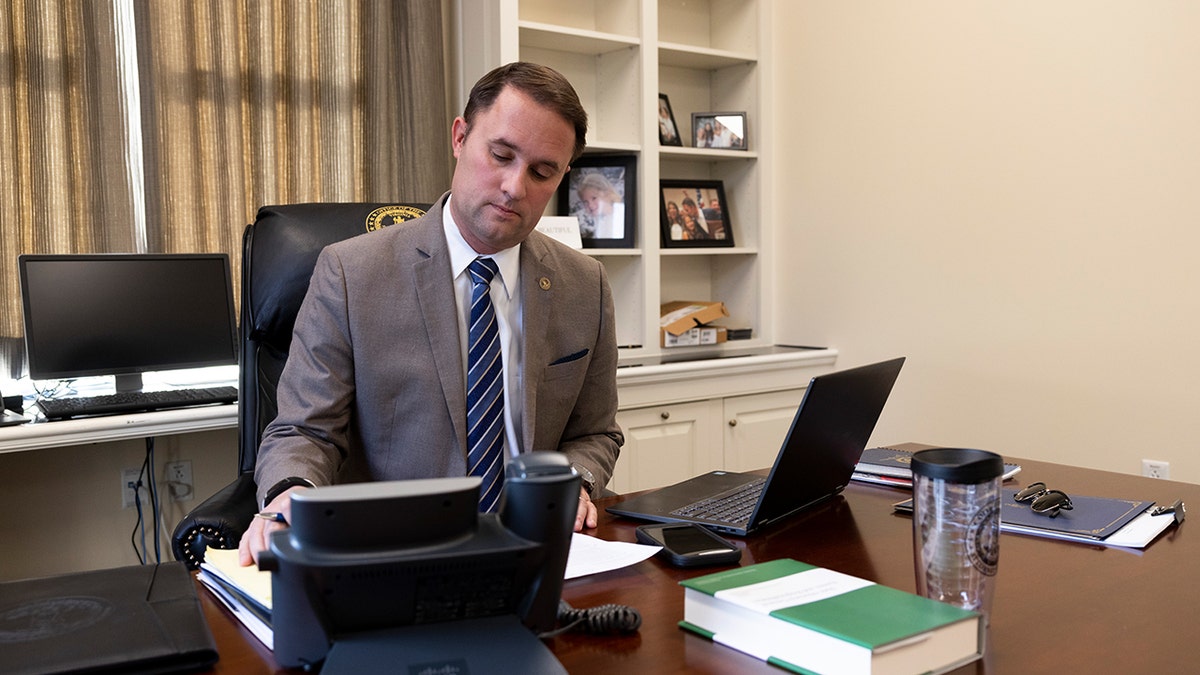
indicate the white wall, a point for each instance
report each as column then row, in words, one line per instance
column 1008, row 193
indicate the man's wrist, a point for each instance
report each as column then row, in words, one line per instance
column 283, row 486
column 586, row 479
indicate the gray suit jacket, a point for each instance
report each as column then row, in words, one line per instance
column 374, row 387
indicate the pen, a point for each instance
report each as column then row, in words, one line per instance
column 273, row 516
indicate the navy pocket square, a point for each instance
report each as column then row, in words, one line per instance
column 571, row 357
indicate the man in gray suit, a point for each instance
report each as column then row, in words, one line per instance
column 375, row 385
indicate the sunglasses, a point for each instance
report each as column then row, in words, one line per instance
column 1044, row 500
column 1177, row 508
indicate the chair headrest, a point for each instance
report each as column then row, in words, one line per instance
column 281, row 250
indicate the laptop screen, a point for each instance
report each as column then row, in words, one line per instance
column 831, row 428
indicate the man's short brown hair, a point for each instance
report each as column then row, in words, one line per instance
column 541, row 83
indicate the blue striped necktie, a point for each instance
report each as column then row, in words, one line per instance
column 485, row 388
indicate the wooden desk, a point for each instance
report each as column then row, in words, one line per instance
column 1060, row 607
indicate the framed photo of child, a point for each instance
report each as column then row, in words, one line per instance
column 601, row 191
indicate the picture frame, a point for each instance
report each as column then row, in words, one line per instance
column 721, row 130
column 695, row 214
column 668, row 130
column 601, row 190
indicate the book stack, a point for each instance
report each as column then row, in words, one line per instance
column 246, row 591
column 889, row 466
column 809, row 619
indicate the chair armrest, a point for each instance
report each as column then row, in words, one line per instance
column 218, row 522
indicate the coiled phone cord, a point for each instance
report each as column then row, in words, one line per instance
column 605, row 619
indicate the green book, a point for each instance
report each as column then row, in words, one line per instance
column 810, row 619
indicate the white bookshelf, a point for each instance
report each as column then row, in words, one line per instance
column 707, row 56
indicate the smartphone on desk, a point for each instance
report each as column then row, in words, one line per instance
column 689, row 544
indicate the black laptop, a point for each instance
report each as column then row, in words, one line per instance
column 828, row 435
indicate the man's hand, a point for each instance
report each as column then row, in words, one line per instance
column 587, row 512
column 258, row 536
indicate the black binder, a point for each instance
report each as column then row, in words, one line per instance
column 136, row 619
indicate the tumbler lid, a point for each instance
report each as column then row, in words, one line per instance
column 958, row 465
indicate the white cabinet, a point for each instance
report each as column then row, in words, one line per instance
column 706, row 56
column 666, row 444
column 755, row 427
column 684, row 419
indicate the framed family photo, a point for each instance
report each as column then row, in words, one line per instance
column 725, row 130
column 695, row 214
column 668, row 131
column 601, row 191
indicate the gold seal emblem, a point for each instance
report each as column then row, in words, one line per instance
column 389, row 215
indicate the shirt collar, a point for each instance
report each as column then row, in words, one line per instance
column 461, row 254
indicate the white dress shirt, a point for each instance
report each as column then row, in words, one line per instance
column 506, row 299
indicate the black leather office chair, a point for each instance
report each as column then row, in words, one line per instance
column 279, row 251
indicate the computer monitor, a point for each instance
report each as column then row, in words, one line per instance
column 126, row 314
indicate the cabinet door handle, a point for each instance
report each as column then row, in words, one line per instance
column 733, row 422
column 666, row 414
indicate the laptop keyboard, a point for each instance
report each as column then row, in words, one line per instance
column 733, row 508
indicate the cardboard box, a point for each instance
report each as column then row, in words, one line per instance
column 695, row 337
column 681, row 316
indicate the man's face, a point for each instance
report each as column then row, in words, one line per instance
column 510, row 162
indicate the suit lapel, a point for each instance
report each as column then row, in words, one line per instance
column 537, row 299
column 437, row 305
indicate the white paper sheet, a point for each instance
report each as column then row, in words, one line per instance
column 590, row 555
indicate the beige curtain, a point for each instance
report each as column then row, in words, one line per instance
column 258, row 102
column 242, row 103
column 63, row 184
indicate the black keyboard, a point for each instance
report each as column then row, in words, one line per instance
column 731, row 508
column 135, row 401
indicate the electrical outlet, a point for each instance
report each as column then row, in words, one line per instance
column 130, row 477
column 177, row 477
column 1155, row 468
